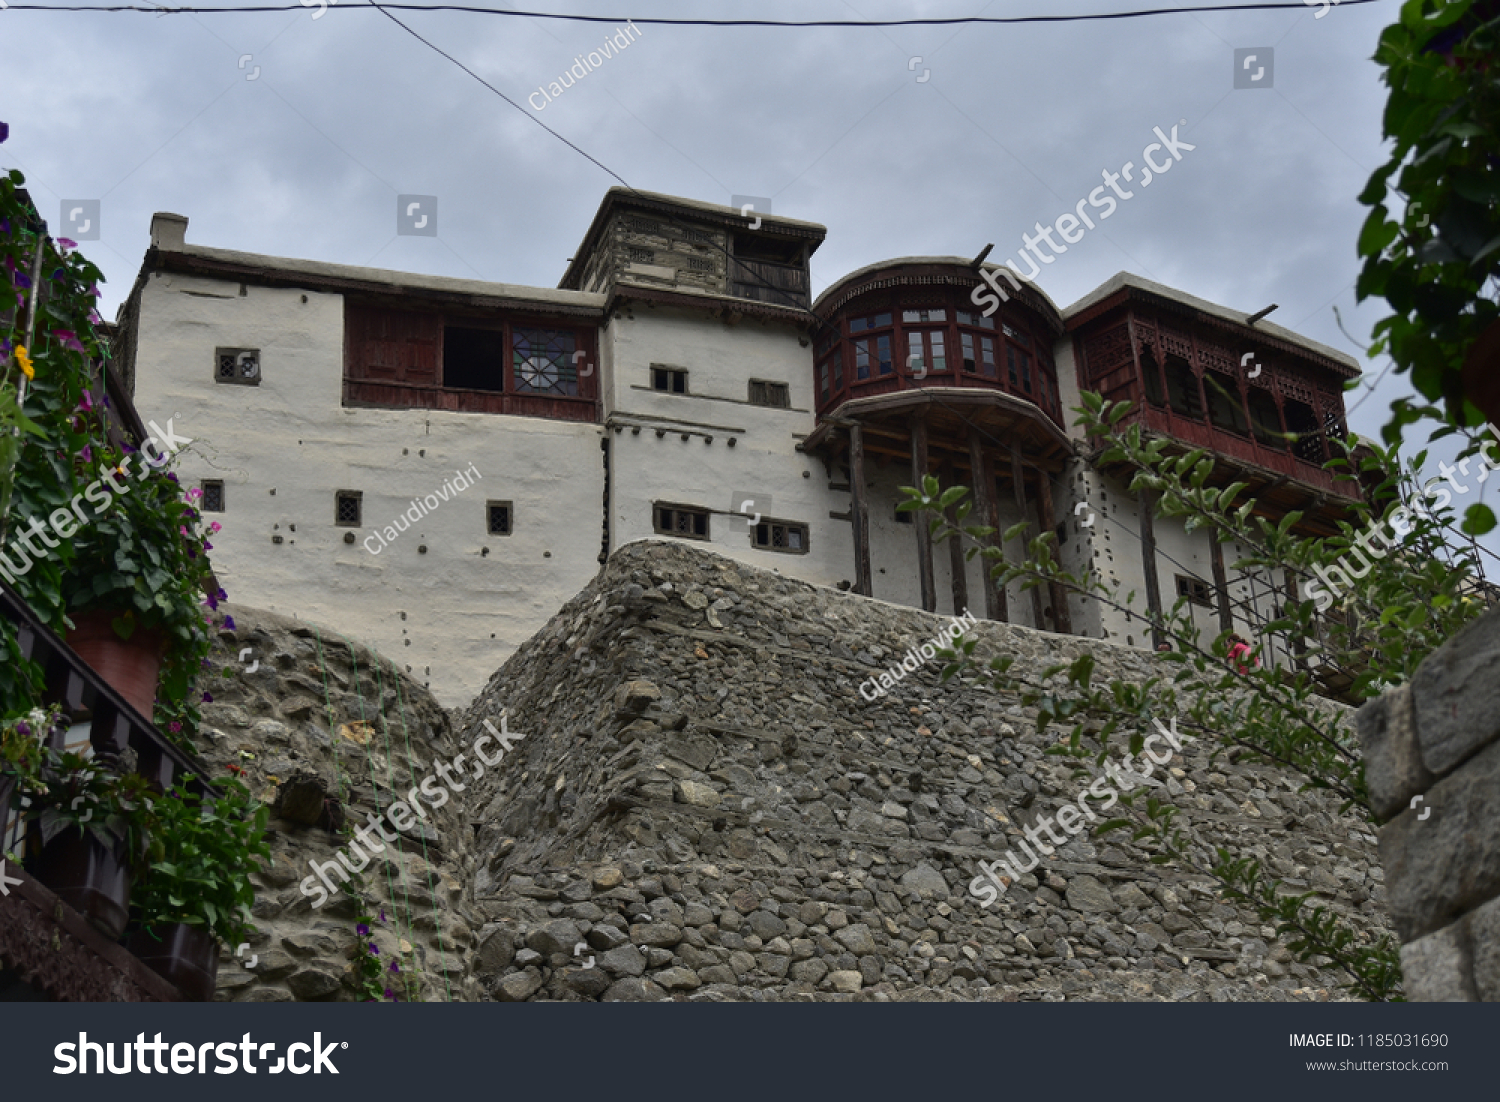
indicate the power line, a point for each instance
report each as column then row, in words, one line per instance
column 962, row 20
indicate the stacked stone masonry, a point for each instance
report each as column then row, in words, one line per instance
column 1432, row 762
column 701, row 806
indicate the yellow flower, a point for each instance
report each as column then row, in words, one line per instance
column 25, row 361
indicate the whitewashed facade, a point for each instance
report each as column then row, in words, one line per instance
column 678, row 372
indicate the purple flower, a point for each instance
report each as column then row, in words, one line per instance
column 5, row 133
column 222, row 595
column 171, row 475
column 69, row 339
column 207, row 546
column 87, row 453
column 362, row 930
column 212, row 601
column 382, row 914
column 23, row 729
column 87, row 404
column 390, row 994
column 395, row 967
column 67, row 243
column 208, row 698
column 374, row 949
column 229, row 623
column 174, row 726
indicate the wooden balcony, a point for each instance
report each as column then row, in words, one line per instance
column 47, row 950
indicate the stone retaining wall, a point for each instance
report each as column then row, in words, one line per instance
column 1432, row 761
column 704, row 807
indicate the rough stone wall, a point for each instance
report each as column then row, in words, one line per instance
column 703, row 800
column 317, row 711
column 1432, row 761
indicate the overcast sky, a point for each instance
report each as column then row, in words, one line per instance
column 994, row 129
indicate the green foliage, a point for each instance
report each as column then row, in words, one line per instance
column 1417, row 593
column 381, row 976
column 66, row 791
column 202, row 852
column 142, row 557
column 1436, row 263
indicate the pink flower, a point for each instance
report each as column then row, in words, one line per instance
column 194, row 494
column 214, row 526
column 66, row 243
column 68, row 339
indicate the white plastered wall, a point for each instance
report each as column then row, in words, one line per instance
column 284, row 448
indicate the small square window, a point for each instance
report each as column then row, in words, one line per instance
column 776, row 395
column 903, row 518
column 213, row 496
column 642, row 256
column 780, row 535
column 669, row 380
column 239, row 366
column 499, row 517
column 348, row 508
column 681, row 520
column 700, row 263
column 1196, row 590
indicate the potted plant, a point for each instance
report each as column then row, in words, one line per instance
column 87, row 826
column 197, row 891
column 140, row 582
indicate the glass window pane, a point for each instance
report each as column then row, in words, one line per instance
column 939, row 353
column 862, row 359
column 881, row 319
column 823, row 381
column 1010, row 362
column 914, row 359
column 883, row 352
column 987, row 354
column 967, row 340
column 543, row 362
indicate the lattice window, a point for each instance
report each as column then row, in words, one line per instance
column 780, row 535
column 348, row 506
column 700, row 264
column 642, row 256
column 644, row 225
column 681, row 520
column 237, row 365
column 213, row 496
column 498, row 516
column 544, row 363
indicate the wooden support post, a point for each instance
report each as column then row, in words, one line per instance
column 1018, row 477
column 1147, row 504
column 1062, row 619
column 1221, row 582
column 924, row 536
column 985, row 514
column 859, row 512
column 1299, row 644
column 957, row 567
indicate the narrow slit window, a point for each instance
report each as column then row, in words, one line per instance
column 499, row 515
